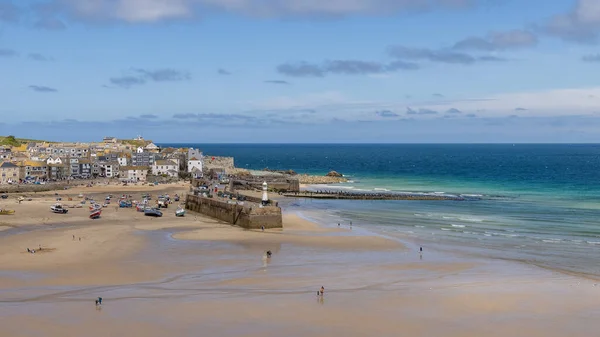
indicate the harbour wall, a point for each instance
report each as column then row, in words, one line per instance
column 248, row 216
column 275, row 183
column 209, row 163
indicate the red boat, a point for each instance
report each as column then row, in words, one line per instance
column 95, row 214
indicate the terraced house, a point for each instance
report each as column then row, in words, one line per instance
column 37, row 170
column 134, row 173
column 165, row 167
column 9, row 173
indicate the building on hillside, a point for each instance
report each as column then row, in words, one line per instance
column 58, row 171
column 124, row 159
column 109, row 140
column 194, row 153
column 85, row 168
column 54, row 160
column 195, row 166
column 109, row 156
column 133, row 173
column 9, row 173
column 152, row 148
column 35, row 170
column 108, row 169
column 5, row 153
column 74, row 166
column 143, row 159
column 166, row 167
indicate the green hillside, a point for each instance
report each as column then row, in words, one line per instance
column 12, row 141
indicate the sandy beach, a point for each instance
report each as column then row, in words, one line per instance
column 195, row 276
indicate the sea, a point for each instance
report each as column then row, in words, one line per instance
column 533, row 203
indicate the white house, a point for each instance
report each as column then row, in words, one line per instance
column 122, row 160
column 167, row 167
column 195, row 166
column 140, row 149
column 54, row 160
column 109, row 169
column 134, row 173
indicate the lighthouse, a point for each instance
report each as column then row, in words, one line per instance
column 265, row 197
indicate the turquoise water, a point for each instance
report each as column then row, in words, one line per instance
column 539, row 203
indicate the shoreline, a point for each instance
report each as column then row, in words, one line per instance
column 447, row 248
column 191, row 274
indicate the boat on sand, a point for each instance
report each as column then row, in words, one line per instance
column 153, row 212
column 7, row 211
column 95, row 214
column 58, row 208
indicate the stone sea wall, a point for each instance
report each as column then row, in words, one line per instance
column 214, row 162
column 314, row 180
column 276, row 183
column 248, row 216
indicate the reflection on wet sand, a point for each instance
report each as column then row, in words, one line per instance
column 190, row 277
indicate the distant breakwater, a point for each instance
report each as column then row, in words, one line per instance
column 373, row 196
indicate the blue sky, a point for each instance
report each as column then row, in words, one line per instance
column 301, row 71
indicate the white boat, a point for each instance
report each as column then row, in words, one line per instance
column 180, row 211
column 58, row 208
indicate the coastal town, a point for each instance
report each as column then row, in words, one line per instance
column 131, row 160
column 135, row 160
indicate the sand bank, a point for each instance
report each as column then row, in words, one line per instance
column 295, row 231
column 194, row 275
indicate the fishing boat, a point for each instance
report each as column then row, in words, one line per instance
column 7, row 211
column 152, row 212
column 163, row 203
column 58, row 208
column 176, row 197
column 125, row 204
column 180, row 211
column 94, row 207
column 95, row 214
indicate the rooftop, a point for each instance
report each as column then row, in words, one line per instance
column 6, row 164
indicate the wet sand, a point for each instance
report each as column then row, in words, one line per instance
column 195, row 276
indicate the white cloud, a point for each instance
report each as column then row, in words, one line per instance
column 157, row 10
column 559, row 102
column 129, row 10
column 582, row 24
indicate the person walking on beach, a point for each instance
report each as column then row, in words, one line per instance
column 321, row 292
column 262, row 228
column 421, row 250
column 100, row 300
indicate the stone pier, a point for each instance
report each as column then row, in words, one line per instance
column 248, row 215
